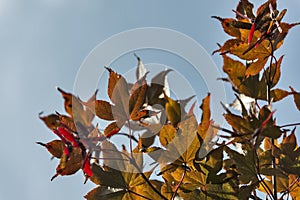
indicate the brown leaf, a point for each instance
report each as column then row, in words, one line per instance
column 157, row 88
column 72, row 104
column 228, row 27
column 137, row 98
column 274, row 74
column 235, row 70
column 112, row 129
column 205, row 119
column 167, row 134
column 102, row 192
column 70, row 164
column 51, row 121
column 55, row 147
column 245, row 8
column 239, row 124
column 278, row 94
column 289, row 143
column 118, row 89
column 256, row 66
column 296, row 97
column 101, row 108
column 107, row 177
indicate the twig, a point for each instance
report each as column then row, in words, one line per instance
column 269, row 102
column 178, row 185
column 130, row 191
column 287, row 125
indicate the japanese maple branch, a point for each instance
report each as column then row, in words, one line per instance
column 269, row 102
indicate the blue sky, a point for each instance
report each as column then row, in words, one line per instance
column 44, row 42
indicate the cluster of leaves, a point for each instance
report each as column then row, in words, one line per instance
column 193, row 164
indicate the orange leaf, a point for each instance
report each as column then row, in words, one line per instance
column 205, row 119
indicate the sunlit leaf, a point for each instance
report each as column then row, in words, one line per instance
column 167, row 134
column 173, row 109
column 205, row 118
column 228, row 27
column 278, row 94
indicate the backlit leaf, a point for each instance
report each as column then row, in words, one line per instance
column 296, row 97
column 173, row 109
column 55, row 147
column 112, row 129
column 70, row 164
column 228, row 27
column 167, row 134
column 205, row 118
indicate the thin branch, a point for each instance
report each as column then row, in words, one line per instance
column 130, row 191
column 287, row 125
column 129, row 136
column 178, row 185
column 261, row 179
column 130, row 139
column 147, row 180
column 269, row 102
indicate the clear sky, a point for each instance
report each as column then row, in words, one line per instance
column 44, row 42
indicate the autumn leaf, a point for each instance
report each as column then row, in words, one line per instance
column 69, row 164
column 205, row 118
column 55, row 147
column 296, row 97
column 173, row 110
